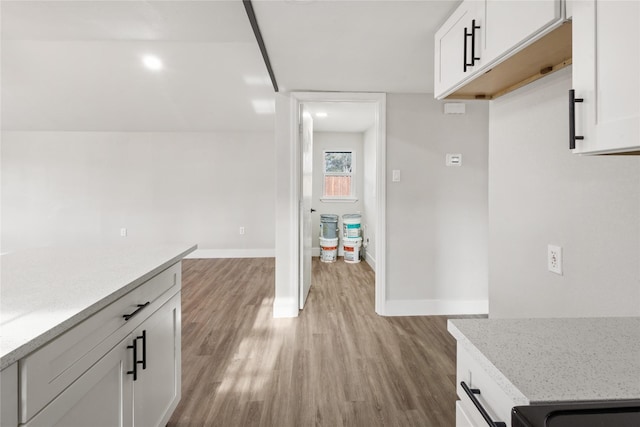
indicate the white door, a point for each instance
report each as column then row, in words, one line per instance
column 306, row 141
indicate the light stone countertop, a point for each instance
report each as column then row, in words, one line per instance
column 46, row 291
column 549, row 360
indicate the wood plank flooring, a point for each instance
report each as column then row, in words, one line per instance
column 337, row 364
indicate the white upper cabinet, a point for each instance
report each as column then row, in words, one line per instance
column 519, row 41
column 606, row 77
column 510, row 24
column 459, row 50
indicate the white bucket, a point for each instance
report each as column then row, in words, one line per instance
column 351, row 225
column 352, row 249
column 328, row 249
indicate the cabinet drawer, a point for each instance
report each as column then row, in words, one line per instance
column 53, row 367
column 492, row 397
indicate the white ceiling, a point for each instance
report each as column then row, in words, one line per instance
column 76, row 65
column 358, row 46
column 342, row 116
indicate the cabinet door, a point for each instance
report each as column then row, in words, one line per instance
column 606, row 75
column 156, row 392
column 511, row 24
column 450, row 51
column 101, row 397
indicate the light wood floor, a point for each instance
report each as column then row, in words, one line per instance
column 337, row 364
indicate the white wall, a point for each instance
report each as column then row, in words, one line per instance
column 369, row 199
column 335, row 141
column 76, row 188
column 540, row 194
column 437, row 215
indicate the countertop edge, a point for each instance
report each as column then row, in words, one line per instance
column 59, row 329
column 507, row 386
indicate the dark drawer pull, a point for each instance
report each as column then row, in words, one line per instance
column 471, row 392
column 140, row 307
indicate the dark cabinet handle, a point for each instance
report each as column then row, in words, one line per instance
column 312, row 210
column 572, row 119
column 134, row 371
column 143, row 337
column 140, row 307
column 474, row 27
column 471, row 392
column 471, row 34
column 464, row 54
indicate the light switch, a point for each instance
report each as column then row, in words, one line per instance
column 454, row 160
column 396, row 176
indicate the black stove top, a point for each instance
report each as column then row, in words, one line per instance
column 579, row 414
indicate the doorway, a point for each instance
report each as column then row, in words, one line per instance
column 336, row 119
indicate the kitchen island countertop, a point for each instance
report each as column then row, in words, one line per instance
column 550, row 360
column 46, row 291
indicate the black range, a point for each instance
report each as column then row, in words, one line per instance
column 622, row 413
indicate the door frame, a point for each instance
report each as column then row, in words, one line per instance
column 379, row 99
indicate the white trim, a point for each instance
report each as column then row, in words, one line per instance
column 381, row 201
column 380, row 99
column 295, row 185
column 435, row 307
column 232, row 253
column 370, row 260
column 285, row 307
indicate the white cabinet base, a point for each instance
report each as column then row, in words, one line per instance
column 462, row 419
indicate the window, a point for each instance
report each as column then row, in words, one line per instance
column 339, row 174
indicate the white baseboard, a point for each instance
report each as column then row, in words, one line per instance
column 285, row 307
column 232, row 253
column 370, row 260
column 435, row 307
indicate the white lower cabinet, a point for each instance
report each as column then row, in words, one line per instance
column 119, row 367
column 100, row 397
column 136, row 384
column 489, row 394
column 462, row 418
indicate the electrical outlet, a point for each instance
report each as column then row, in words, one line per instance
column 123, row 232
column 554, row 259
column 241, row 230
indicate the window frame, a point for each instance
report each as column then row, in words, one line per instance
column 352, row 174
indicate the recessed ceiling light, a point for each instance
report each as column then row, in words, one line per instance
column 152, row 62
column 321, row 114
